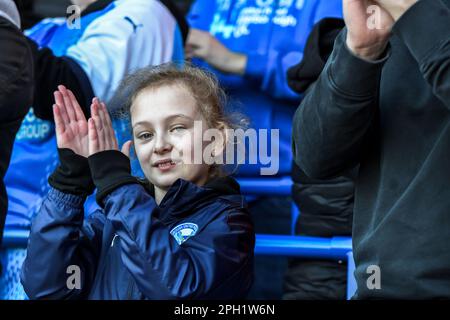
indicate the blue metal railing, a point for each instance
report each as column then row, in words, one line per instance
column 15, row 238
column 266, row 186
column 300, row 246
column 337, row 248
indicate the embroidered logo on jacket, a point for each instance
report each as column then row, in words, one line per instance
column 184, row 231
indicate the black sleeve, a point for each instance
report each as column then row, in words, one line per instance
column 51, row 71
column 336, row 114
column 425, row 30
column 316, row 53
column 16, row 74
column 72, row 175
column 110, row 169
column 16, row 93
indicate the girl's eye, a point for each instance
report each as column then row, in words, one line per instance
column 145, row 136
column 177, row 129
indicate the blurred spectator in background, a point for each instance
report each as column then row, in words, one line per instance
column 250, row 44
column 16, row 90
column 91, row 55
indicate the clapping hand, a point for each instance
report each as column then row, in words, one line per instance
column 83, row 137
column 101, row 132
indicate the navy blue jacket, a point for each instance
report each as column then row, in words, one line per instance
column 127, row 250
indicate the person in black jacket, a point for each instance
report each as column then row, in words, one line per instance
column 16, row 89
column 382, row 101
column 326, row 206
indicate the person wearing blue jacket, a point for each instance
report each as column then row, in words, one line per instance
column 185, row 233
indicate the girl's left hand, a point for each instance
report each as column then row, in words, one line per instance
column 101, row 132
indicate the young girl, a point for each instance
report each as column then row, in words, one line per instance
column 185, row 235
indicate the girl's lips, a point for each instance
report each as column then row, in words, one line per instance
column 165, row 165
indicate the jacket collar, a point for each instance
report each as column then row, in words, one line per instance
column 184, row 197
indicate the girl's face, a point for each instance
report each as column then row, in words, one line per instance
column 163, row 131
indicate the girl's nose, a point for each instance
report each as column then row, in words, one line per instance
column 162, row 145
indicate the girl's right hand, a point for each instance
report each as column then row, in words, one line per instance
column 70, row 122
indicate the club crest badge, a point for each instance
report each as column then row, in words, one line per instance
column 184, row 231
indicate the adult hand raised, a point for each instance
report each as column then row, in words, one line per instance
column 364, row 39
column 396, row 8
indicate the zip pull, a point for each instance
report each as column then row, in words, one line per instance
column 112, row 242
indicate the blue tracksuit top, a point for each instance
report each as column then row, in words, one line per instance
column 273, row 34
column 196, row 244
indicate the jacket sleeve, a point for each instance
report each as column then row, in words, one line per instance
column 336, row 114
column 425, row 30
column 50, row 72
column 16, row 76
column 58, row 240
column 209, row 265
